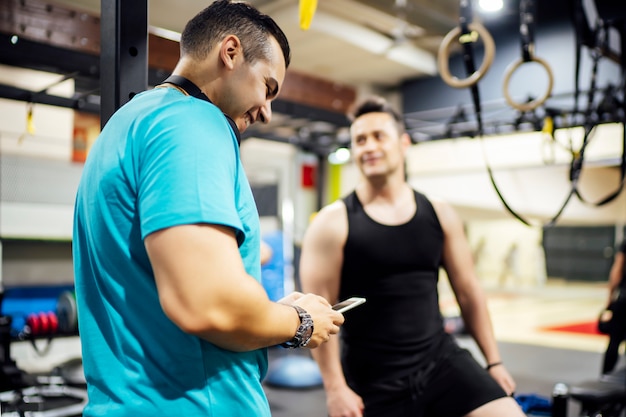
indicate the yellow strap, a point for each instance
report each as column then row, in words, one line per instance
column 30, row 125
column 307, row 10
column 548, row 126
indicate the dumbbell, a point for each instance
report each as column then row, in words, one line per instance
column 42, row 323
column 67, row 312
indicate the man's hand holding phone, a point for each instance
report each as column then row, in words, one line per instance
column 348, row 304
column 326, row 321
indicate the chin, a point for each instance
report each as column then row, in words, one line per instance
column 373, row 175
column 373, row 171
column 242, row 126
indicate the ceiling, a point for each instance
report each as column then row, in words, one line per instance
column 367, row 45
column 361, row 43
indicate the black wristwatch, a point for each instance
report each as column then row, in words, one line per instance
column 304, row 332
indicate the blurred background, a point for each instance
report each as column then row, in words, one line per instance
column 531, row 155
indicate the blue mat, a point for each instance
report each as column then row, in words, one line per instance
column 19, row 302
column 293, row 371
column 534, row 405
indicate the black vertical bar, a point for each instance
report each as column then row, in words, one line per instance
column 320, row 181
column 560, row 397
column 123, row 53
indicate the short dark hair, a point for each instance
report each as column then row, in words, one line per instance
column 376, row 104
column 224, row 17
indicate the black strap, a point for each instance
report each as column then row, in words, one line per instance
column 583, row 35
column 527, row 30
column 194, row 91
column 465, row 19
column 518, row 216
column 601, row 40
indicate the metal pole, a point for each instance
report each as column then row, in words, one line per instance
column 123, row 53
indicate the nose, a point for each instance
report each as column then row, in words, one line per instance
column 265, row 114
column 369, row 144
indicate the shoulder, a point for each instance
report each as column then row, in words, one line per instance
column 330, row 215
column 188, row 111
column 446, row 214
column 442, row 208
column 198, row 122
column 330, row 224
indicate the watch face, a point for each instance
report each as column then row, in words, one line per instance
column 308, row 330
column 307, row 335
column 304, row 331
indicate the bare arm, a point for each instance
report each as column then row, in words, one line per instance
column 266, row 253
column 320, row 272
column 204, row 289
column 457, row 259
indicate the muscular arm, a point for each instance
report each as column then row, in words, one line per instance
column 204, row 288
column 266, row 253
column 320, row 272
column 458, row 263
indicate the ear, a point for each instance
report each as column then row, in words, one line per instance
column 230, row 51
column 406, row 140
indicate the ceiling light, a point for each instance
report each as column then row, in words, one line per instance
column 165, row 33
column 491, row 5
column 405, row 53
column 339, row 157
column 352, row 33
column 366, row 39
column 412, row 57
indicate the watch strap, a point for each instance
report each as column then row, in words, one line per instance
column 304, row 331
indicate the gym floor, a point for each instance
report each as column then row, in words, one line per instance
column 537, row 358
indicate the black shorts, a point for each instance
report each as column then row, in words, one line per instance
column 451, row 386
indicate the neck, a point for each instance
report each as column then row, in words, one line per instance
column 196, row 72
column 186, row 86
column 384, row 190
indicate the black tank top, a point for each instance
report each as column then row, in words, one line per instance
column 396, row 269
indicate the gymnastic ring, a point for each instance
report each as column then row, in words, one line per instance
column 532, row 105
column 444, row 54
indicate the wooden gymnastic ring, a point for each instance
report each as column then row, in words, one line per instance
column 532, row 105
column 444, row 54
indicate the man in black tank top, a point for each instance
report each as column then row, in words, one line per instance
column 386, row 242
column 617, row 301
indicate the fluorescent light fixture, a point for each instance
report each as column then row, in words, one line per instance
column 165, row 33
column 491, row 5
column 352, row 33
column 413, row 57
column 366, row 39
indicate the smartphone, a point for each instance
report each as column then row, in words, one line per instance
column 348, row 304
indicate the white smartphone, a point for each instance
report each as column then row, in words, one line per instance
column 348, row 304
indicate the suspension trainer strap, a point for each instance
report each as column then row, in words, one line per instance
column 601, row 40
column 582, row 33
column 527, row 29
column 466, row 40
column 513, row 212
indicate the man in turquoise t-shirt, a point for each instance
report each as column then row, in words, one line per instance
column 172, row 318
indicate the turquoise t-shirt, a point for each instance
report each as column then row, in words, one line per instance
column 164, row 159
